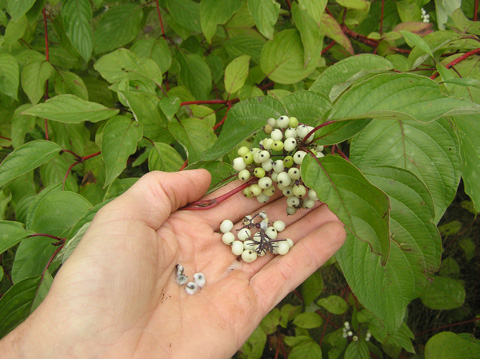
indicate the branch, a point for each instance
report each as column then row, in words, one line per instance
column 457, row 60
column 47, row 58
column 160, row 18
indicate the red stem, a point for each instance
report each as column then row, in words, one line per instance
column 5, row 138
column 317, row 128
column 448, row 326
column 90, row 156
column 46, row 235
column 329, row 46
column 47, row 58
column 160, row 18
column 475, row 11
column 381, row 17
column 184, row 165
column 210, row 203
column 223, row 119
column 210, row 102
column 457, row 60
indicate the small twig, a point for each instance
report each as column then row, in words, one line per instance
column 160, row 18
column 457, row 60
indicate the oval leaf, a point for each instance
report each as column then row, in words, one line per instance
column 308, row 320
column 362, row 208
column 12, row 233
column 26, row 158
column 334, row 304
column 163, row 157
column 265, row 14
column 448, row 345
column 236, row 73
column 77, row 17
column 444, row 293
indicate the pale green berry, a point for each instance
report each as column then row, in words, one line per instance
column 288, row 191
column 265, row 182
column 271, row 232
column 279, row 225
column 281, row 187
column 283, row 248
column 243, row 150
column 290, row 144
column 270, row 191
column 278, row 166
column 263, row 156
column 248, row 158
column 291, row 211
column 249, row 256
column 299, row 190
column 244, row 175
column 228, row 238
column 293, row 122
column 259, row 172
column 302, row 131
column 308, row 203
column 319, row 148
column 247, row 193
column 319, row 155
column 290, row 132
column 298, row 157
column 226, row 226
column 199, row 279
column 244, row 234
column 282, row 122
column 267, row 143
column 294, row 173
column 249, row 244
column 255, row 190
column 237, row 247
column 284, row 179
column 277, row 146
column 276, row 135
column 312, row 194
column 293, row 201
column 288, row 161
column 262, row 198
column 271, row 121
column 311, row 137
column 239, row 164
column 290, row 242
column 191, row 288
column 267, row 165
column 274, row 177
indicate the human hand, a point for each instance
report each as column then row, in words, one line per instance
column 116, row 296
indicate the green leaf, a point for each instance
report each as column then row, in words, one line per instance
column 306, row 350
column 315, row 8
column 194, row 135
column 154, row 49
column 211, row 15
column 236, row 73
column 77, row 17
column 26, row 158
column 308, row 320
column 123, row 64
column 71, row 109
column 307, row 106
column 119, row 141
column 399, row 96
column 448, row 345
column 243, row 120
column 312, row 40
column 16, row 303
column 409, row 12
column 415, row 40
column 357, row 350
column 18, row 8
column 338, row 77
column 34, row 76
column 43, row 289
column 332, row 29
column 254, row 346
column 334, row 304
column 170, row 106
column 444, row 293
column 195, row 75
column 186, row 13
column 117, row 27
column 468, row 129
column 270, row 322
column 245, row 45
column 413, row 259
column 15, row 30
column 402, row 338
column 9, row 75
column 163, row 157
column 72, row 243
column 55, row 170
column 429, row 150
column 67, row 82
column 12, row 233
column 362, row 208
column 463, row 82
column 282, row 59
column 354, row 4
column 312, row 288
column 265, row 14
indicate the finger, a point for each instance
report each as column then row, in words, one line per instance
column 284, row 273
column 155, row 196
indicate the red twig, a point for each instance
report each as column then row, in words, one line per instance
column 475, row 10
column 160, row 18
column 223, row 119
column 457, row 60
column 47, row 58
column 289, row 4
column 381, row 17
column 340, row 152
column 79, row 160
column 210, row 102
column 326, row 123
column 184, row 165
column 359, row 37
column 329, row 46
column 447, row 326
column 5, row 138
column 210, row 203
column 46, row 235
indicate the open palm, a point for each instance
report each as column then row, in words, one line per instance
column 116, row 296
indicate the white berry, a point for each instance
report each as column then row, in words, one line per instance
column 199, row 279
column 265, row 182
column 289, row 144
column 244, row 234
column 271, row 232
column 239, row 164
column 191, row 288
column 298, row 157
column 249, row 256
column 283, row 248
column 228, row 238
column 182, row 279
column 226, row 226
column 276, row 135
column 279, row 225
column 237, row 247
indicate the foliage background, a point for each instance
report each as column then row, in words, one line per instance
column 95, row 93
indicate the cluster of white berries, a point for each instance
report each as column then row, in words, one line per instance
column 347, row 332
column 190, row 287
column 425, row 16
column 277, row 160
column 256, row 237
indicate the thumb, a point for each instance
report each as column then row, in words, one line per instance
column 156, row 195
